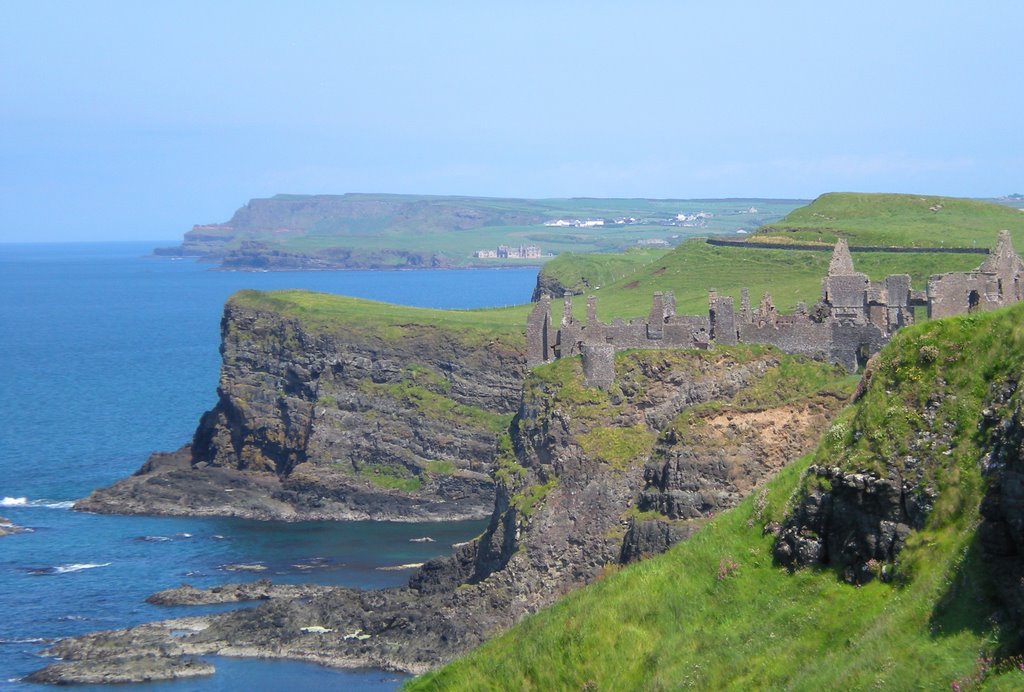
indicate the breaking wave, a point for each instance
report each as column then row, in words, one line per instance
column 66, row 569
column 25, row 502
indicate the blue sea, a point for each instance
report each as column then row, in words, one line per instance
column 107, row 355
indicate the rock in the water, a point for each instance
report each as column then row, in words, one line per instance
column 261, row 590
column 122, row 669
column 561, row 516
column 7, row 528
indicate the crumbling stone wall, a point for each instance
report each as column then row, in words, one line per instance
column 854, row 318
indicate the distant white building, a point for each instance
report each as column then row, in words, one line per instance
column 577, row 223
column 510, row 252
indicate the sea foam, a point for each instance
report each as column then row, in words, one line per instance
column 25, row 502
column 78, row 567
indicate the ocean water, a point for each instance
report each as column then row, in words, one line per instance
column 107, row 355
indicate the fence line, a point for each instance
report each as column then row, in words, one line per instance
column 853, row 248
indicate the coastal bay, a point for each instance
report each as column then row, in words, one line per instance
column 111, row 355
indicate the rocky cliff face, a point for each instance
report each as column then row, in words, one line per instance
column 586, row 479
column 373, row 421
column 252, row 238
column 261, row 256
column 1001, row 533
column 934, row 443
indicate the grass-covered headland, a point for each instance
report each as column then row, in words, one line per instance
column 716, row 613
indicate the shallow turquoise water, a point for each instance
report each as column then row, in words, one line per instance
column 105, row 356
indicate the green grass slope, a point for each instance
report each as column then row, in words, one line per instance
column 716, row 613
column 624, row 282
column 691, row 269
column 454, row 226
column 359, row 317
column 890, row 219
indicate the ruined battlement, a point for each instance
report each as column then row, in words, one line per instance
column 852, row 320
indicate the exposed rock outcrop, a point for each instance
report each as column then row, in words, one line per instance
column 1001, row 533
column 547, row 284
column 568, row 480
column 261, row 590
column 123, row 669
column 259, row 256
column 378, row 421
column 256, row 235
column 7, row 527
column 851, row 520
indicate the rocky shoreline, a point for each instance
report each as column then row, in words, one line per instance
column 169, row 484
column 366, row 420
column 569, row 504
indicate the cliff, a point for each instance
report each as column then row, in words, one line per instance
column 334, row 408
column 390, row 231
column 586, row 479
column 902, row 535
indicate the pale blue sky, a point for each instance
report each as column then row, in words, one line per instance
column 125, row 120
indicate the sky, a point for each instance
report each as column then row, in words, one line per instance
column 134, row 121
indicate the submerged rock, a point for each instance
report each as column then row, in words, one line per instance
column 7, row 528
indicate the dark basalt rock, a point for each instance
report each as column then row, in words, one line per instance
column 848, row 521
column 122, row 669
column 559, row 518
column 261, row 590
column 306, row 421
column 1001, row 533
column 652, row 537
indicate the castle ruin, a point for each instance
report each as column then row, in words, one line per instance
column 853, row 319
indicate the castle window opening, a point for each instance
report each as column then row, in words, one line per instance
column 973, row 300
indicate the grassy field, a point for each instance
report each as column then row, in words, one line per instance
column 457, row 226
column 695, row 267
column 624, row 284
column 716, row 613
column 330, row 313
column 907, row 220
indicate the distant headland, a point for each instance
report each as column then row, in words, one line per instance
column 387, row 231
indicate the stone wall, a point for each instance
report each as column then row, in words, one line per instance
column 853, row 319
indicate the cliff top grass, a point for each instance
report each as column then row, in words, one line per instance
column 792, row 276
column 936, row 376
column 716, row 613
column 902, row 220
column 327, row 313
column 624, row 282
column 690, row 270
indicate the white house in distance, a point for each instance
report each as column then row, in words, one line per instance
column 509, row 252
column 576, row 223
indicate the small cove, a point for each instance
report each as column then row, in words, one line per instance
column 109, row 355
